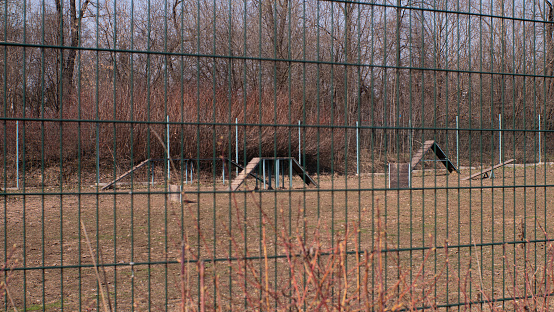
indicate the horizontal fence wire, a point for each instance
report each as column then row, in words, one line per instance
column 276, row 155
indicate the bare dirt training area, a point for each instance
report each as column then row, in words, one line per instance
column 82, row 248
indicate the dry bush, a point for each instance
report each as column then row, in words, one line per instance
column 202, row 126
column 316, row 275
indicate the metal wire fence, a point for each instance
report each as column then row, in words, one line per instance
column 276, row 155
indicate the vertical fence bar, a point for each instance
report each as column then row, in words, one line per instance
column 540, row 146
column 236, row 145
column 457, row 143
column 97, row 154
column 410, row 137
column 357, row 150
column 499, row 138
column 17, row 152
column 168, row 154
column 299, row 145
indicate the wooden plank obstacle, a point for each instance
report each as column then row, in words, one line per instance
column 485, row 173
column 242, row 168
column 245, row 173
column 109, row 185
column 399, row 175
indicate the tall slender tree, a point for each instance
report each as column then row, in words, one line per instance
column 67, row 62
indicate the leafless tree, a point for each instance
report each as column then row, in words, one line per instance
column 76, row 15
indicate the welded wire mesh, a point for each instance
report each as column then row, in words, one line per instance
column 276, row 155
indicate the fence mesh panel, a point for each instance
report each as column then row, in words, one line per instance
column 276, row 155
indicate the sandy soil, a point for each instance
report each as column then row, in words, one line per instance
column 136, row 237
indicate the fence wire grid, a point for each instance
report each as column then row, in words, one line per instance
column 276, row 155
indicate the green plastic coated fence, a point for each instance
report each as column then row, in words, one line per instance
column 190, row 155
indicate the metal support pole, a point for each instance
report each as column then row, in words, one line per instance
column 223, row 171
column 389, row 174
column 290, row 173
column 410, row 174
column 270, row 171
column 152, row 171
column 263, row 169
column 277, row 173
column 186, row 171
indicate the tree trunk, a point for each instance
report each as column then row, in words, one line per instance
column 549, row 49
column 68, row 63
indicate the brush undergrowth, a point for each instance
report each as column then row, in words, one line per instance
column 342, row 277
column 198, row 119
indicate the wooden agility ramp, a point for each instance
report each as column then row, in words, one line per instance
column 485, row 172
column 237, row 182
column 109, row 185
column 302, row 173
column 400, row 175
column 253, row 164
column 242, row 168
column 431, row 144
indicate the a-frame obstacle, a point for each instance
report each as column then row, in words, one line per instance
column 485, row 173
column 255, row 162
column 431, row 144
column 400, row 174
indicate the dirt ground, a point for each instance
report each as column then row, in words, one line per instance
column 79, row 247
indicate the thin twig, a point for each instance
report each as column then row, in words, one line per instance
column 183, row 291
column 202, row 287
column 10, row 297
column 266, row 265
column 95, row 267
column 7, row 269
